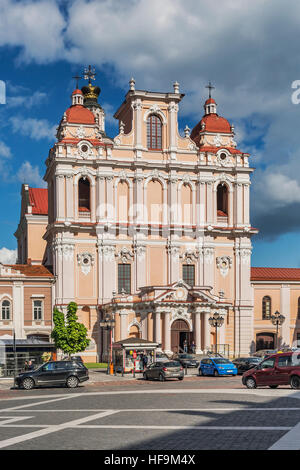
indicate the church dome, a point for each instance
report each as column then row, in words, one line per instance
column 79, row 114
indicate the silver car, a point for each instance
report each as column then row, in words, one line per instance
column 164, row 370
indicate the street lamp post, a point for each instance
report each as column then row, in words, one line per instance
column 277, row 319
column 108, row 324
column 216, row 321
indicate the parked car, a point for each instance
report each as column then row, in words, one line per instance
column 278, row 369
column 216, row 366
column 245, row 363
column 77, row 358
column 69, row 373
column 264, row 353
column 187, row 360
column 161, row 357
column 164, row 370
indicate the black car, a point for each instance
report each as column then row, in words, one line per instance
column 245, row 363
column 187, row 360
column 69, row 373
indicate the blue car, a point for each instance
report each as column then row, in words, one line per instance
column 217, row 366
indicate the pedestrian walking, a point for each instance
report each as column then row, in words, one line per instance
column 185, row 345
column 193, row 347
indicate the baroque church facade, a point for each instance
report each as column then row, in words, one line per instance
column 153, row 229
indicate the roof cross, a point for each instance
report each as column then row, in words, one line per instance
column 89, row 73
column 77, row 78
column 210, row 87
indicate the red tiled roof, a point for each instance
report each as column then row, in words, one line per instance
column 78, row 114
column 275, row 274
column 38, row 199
column 210, row 101
column 31, row 270
column 211, row 149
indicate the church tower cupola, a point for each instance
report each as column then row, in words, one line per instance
column 210, row 106
column 77, row 97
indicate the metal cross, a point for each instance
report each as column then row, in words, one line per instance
column 89, row 73
column 210, row 87
column 77, row 78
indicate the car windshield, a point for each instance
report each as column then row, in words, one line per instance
column 186, row 356
column 254, row 359
column 171, row 364
column 222, row 361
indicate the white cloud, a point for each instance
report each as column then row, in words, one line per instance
column 26, row 101
column 36, row 129
column 8, row 256
column 30, row 174
column 35, row 26
column 5, row 151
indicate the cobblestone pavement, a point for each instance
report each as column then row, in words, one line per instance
column 196, row 414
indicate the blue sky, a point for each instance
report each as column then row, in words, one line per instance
column 248, row 49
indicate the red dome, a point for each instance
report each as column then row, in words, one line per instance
column 210, row 101
column 78, row 114
column 215, row 123
column 77, row 92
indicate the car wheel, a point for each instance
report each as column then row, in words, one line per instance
column 161, row 378
column 180, row 378
column 250, row 382
column 145, row 376
column 72, row 382
column 216, row 373
column 200, row 372
column 273, row 386
column 28, row 383
column 295, row 382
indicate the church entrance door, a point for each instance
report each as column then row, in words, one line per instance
column 180, row 332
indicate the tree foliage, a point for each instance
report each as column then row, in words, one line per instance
column 68, row 334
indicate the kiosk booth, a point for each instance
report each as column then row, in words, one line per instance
column 128, row 354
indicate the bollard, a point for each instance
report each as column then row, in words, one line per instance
column 185, row 369
column 133, row 370
column 122, row 371
column 111, row 369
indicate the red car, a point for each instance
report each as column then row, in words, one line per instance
column 278, row 369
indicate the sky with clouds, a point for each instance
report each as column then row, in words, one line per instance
column 248, row 49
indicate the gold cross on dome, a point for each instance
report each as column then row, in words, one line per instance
column 210, row 87
column 89, row 73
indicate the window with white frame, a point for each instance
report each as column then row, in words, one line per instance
column 6, row 310
column 37, row 310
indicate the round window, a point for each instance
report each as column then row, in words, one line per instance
column 84, row 148
column 223, row 156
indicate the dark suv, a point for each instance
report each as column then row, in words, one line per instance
column 278, row 369
column 69, row 373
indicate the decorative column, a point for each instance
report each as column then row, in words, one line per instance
column 138, row 213
column 110, row 210
column 167, row 329
column 206, row 328
column 197, row 328
column 60, row 197
column 100, row 197
column 157, row 327
column 123, row 323
column 70, row 197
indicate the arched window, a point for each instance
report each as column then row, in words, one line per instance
column 154, row 131
column 84, row 203
column 266, row 307
column 6, row 310
column 222, row 200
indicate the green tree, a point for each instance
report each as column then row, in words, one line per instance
column 68, row 334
